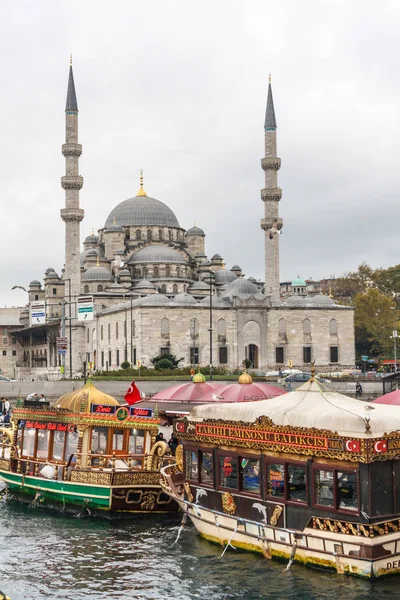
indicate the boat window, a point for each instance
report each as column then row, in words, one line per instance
column 206, row 467
column 324, row 488
column 99, row 440
column 42, row 444
column 71, row 446
column 118, row 439
column 191, row 465
column 347, row 490
column 58, row 445
column 136, row 441
column 250, row 472
column 28, row 444
column 297, row 479
column 276, row 480
column 228, row 472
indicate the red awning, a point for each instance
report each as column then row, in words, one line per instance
column 249, row 392
column 392, row 398
column 198, row 393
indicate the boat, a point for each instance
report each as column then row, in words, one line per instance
column 310, row 477
column 86, row 452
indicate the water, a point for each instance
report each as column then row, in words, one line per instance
column 50, row 555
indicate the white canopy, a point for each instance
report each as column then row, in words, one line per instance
column 311, row 405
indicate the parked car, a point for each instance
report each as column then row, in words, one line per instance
column 303, row 377
column 3, row 378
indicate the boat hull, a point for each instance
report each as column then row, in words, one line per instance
column 367, row 558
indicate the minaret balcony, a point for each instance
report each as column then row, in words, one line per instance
column 271, row 162
column 72, row 182
column 272, row 224
column 72, row 214
column 271, row 194
column 70, row 149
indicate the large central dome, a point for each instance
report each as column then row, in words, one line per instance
column 142, row 210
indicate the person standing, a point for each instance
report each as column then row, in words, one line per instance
column 6, row 405
column 358, row 389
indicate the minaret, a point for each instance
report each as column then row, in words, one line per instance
column 271, row 196
column 72, row 182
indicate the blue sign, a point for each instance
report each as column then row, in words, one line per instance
column 137, row 411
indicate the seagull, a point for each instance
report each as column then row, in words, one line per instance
column 367, row 408
column 274, row 230
column 216, row 397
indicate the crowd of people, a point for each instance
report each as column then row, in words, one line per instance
column 5, row 410
column 173, row 441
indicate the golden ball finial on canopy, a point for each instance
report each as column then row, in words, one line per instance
column 199, row 377
column 245, row 377
column 141, row 191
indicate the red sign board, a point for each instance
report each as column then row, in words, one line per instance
column 141, row 412
column 50, row 426
column 103, row 409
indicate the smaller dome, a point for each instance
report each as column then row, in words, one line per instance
column 195, row 231
column 120, row 251
column 144, row 284
column 183, row 298
column 200, row 285
column 155, row 299
column 299, row 282
column 81, row 400
column 49, row 270
column 125, row 272
column 199, row 378
column 92, row 239
column 236, row 268
column 156, row 253
column 296, row 301
column 35, row 283
column 321, row 300
column 205, row 262
column 114, row 228
column 252, row 279
column 91, row 252
column 243, row 288
column 217, row 257
column 223, row 276
column 97, row 274
column 245, row 378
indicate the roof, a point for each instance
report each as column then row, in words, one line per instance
column 247, row 392
column 270, row 121
column 141, row 211
column 195, row 231
column 298, row 281
column 223, row 276
column 183, row 298
column 9, row 320
column 312, row 405
column 87, row 395
column 242, row 288
column 71, row 104
column 156, row 253
column 189, row 392
column 92, row 238
column 393, row 398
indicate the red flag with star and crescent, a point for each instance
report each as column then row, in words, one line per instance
column 353, row 446
column 133, row 395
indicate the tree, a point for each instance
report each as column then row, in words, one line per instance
column 125, row 365
column 171, row 357
column 163, row 364
column 373, row 322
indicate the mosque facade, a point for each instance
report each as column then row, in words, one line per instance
column 155, row 291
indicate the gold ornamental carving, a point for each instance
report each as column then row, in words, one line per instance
column 357, row 529
column 91, row 477
column 179, row 457
column 148, row 501
column 275, row 515
column 188, row 491
column 136, row 478
column 154, row 460
column 5, row 465
column 228, row 503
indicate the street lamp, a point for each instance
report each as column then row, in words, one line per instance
column 211, row 279
column 394, row 337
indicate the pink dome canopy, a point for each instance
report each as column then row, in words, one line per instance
column 391, row 398
column 249, row 392
column 198, row 393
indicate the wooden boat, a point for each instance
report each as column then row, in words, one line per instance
column 88, row 452
column 311, row 477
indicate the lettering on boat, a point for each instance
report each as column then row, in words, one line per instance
column 103, row 409
column 50, row 426
column 141, row 412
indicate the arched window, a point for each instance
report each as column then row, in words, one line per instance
column 165, row 327
column 168, row 271
column 149, row 234
column 156, row 272
column 163, row 289
column 101, row 332
column 99, row 288
column 307, row 327
column 109, row 331
column 144, row 272
column 282, row 327
column 86, row 289
column 175, row 289
column 333, row 327
column 138, row 234
column 170, row 235
column 178, row 271
column 221, row 327
column 194, row 328
column 160, row 234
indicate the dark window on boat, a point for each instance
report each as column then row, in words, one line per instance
column 250, row 475
column 334, row 354
column 192, row 470
column 276, row 480
column 223, row 355
column 58, row 445
column 206, row 468
column 99, row 440
column 297, row 483
column 42, row 448
column 336, row 489
column 279, row 355
column 71, row 445
column 306, row 354
column 228, row 471
column 28, row 442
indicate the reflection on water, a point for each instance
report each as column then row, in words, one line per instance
column 49, row 555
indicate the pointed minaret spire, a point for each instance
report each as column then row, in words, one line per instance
column 71, row 104
column 270, row 121
column 271, row 195
column 141, row 191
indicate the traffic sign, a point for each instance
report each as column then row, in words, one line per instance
column 364, row 358
column 38, row 312
column 62, row 345
column 138, row 364
column 62, row 369
column 85, row 308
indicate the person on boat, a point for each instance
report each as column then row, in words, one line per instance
column 160, row 437
column 6, row 405
column 42, row 398
column 358, row 389
column 6, row 418
column 173, row 443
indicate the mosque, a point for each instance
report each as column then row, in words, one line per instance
column 155, row 291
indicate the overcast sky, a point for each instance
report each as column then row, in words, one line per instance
column 179, row 89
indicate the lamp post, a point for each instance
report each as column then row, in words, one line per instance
column 211, row 279
column 131, row 334
column 394, row 337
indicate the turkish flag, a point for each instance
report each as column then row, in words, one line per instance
column 381, row 446
column 353, row 445
column 132, row 395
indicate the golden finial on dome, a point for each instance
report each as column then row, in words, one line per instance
column 70, row 60
column 98, row 261
column 312, row 378
column 199, row 377
column 114, row 221
column 141, row 191
column 92, row 230
column 269, row 78
column 245, row 377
